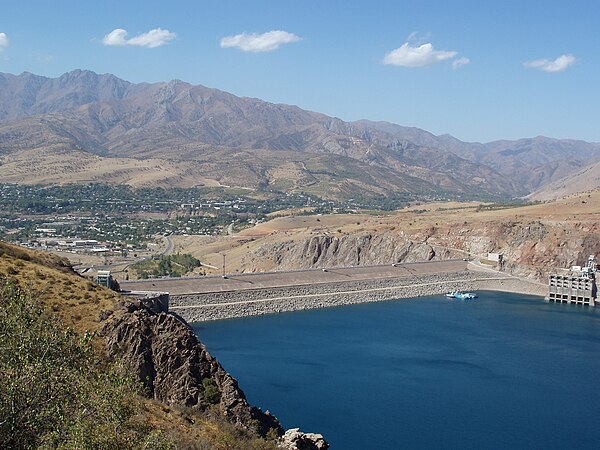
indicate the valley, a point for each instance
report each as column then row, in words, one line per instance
column 299, row 226
column 93, row 157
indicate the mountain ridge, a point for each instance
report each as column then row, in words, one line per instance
column 104, row 116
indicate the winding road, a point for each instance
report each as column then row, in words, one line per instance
column 170, row 246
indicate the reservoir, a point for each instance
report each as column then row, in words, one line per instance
column 505, row 370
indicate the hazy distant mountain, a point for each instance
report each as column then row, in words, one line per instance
column 530, row 163
column 586, row 179
column 250, row 143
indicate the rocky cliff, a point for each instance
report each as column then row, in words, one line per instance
column 531, row 248
column 295, row 439
column 176, row 369
column 348, row 250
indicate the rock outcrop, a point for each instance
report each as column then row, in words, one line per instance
column 531, row 248
column 348, row 250
column 294, row 439
column 175, row 368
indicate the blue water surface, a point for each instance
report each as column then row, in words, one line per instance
column 502, row 371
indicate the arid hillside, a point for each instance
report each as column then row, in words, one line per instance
column 163, row 389
column 85, row 127
column 534, row 239
column 586, row 179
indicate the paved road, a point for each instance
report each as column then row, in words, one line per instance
column 170, row 245
column 191, row 285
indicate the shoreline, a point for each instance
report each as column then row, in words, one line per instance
column 202, row 307
column 514, row 285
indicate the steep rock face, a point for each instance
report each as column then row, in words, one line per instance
column 173, row 366
column 531, row 248
column 349, row 250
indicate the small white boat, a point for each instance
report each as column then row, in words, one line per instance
column 461, row 295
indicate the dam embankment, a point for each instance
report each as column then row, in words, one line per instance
column 213, row 298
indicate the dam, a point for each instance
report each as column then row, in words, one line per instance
column 198, row 299
column 577, row 285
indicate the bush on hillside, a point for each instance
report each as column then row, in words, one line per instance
column 167, row 266
column 54, row 394
column 211, row 392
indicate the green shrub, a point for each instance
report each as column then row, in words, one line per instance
column 54, row 394
column 211, row 393
column 170, row 265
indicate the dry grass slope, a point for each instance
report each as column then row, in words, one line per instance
column 78, row 303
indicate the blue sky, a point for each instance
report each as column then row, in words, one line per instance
column 523, row 68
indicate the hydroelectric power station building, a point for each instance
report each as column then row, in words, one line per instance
column 577, row 285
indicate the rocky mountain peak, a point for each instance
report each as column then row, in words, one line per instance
column 176, row 120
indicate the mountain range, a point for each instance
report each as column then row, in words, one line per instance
column 87, row 127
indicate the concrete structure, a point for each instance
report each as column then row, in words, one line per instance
column 265, row 280
column 104, row 278
column 577, row 285
column 496, row 257
column 198, row 299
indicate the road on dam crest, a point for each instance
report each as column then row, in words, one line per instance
column 240, row 282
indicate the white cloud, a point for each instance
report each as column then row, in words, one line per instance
column 421, row 56
column 264, row 42
column 558, row 65
column 417, row 38
column 115, row 37
column 462, row 61
column 151, row 39
column 3, row 41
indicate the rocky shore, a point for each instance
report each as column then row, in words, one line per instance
column 224, row 305
column 175, row 368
